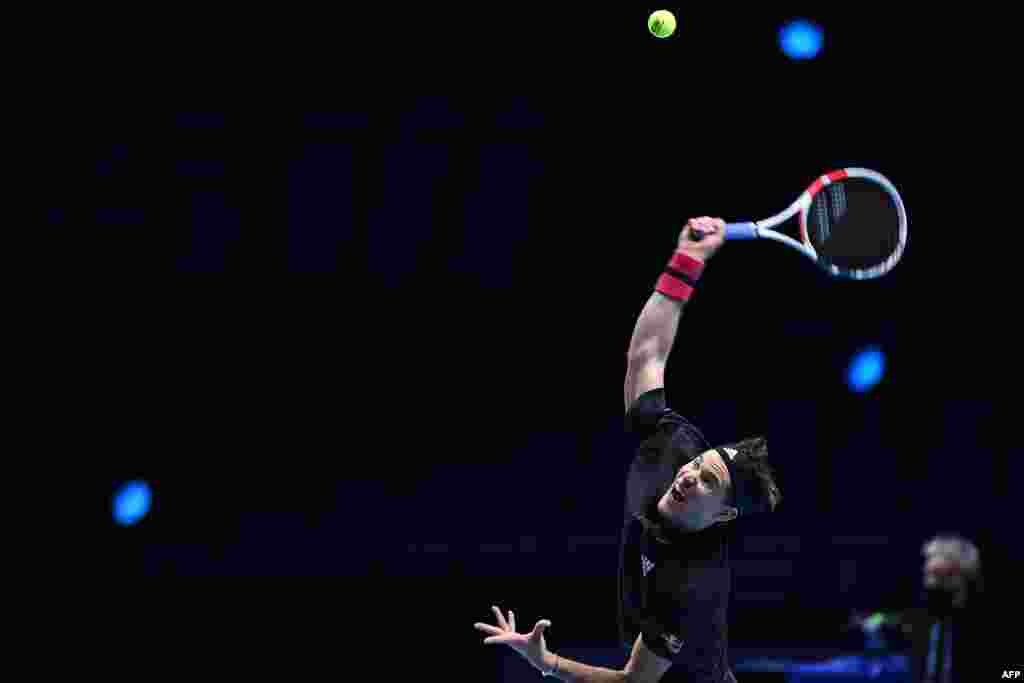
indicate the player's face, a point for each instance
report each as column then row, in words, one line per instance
column 696, row 499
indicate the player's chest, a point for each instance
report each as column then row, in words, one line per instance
column 658, row 567
column 664, row 570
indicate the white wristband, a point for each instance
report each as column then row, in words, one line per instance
column 553, row 669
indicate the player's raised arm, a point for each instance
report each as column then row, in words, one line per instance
column 655, row 330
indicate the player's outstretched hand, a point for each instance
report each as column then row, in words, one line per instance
column 702, row 237
column 530, row 645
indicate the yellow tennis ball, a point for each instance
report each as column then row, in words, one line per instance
column 662, row 23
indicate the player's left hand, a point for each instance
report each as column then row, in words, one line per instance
column 530, row 645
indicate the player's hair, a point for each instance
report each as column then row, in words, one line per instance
column 751, row 462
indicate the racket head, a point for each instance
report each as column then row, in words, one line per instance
column 854, row 222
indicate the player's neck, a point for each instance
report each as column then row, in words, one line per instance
column 671, row 528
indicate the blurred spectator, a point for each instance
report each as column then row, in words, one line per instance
column 947, row 632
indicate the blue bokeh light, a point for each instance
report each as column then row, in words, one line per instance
column 132, row 502
column 866, row 369
column 801, row 39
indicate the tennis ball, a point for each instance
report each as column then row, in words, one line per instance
column 662, row 23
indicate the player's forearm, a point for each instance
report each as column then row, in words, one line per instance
column 575, row 672
column 655, row 329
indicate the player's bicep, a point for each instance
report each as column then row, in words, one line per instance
column 641, row 377
column 644, row 666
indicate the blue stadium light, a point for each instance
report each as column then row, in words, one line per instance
column 131, row 503
column 801, row 39
column 865, row 370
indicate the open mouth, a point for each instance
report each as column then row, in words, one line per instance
column 676, row 495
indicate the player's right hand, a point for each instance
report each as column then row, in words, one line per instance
column 702, row 237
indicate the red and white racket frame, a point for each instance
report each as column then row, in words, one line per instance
column 763, row 229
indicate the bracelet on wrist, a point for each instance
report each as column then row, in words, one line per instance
column 554, row 669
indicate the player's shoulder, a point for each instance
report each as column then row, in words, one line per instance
column 650, row 412
column 650, row 420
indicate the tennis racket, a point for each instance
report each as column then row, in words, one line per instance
column 852, row 224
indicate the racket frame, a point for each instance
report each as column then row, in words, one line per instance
column 764, row 229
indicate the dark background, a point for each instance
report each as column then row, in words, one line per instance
column 353, row 293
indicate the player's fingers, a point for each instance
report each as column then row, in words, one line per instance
column 542, row 625
column 501, row 618
column 487, row 628
column 496, row 640
column 511, row 620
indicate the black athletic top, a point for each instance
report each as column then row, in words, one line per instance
column 673, row 586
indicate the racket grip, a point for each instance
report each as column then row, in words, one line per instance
column 741, row 231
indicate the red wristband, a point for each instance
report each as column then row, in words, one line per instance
column 673, row 288
column 687, row 265
column 680, row 276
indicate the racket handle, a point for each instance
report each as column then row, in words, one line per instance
column 741, row 231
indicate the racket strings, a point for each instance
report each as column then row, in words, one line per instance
column 827, row 209
column 853, row 224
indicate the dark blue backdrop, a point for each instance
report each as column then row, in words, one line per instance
column 373, row 340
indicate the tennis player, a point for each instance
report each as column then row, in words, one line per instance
column 683, row 498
